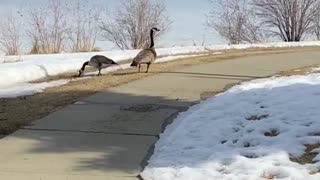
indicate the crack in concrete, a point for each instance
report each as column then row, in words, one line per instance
column 92, row 132
column 159, row 105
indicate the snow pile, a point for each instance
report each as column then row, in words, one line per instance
column 26, row 71
column 248, row 132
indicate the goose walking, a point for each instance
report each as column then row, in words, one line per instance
column 148, row 55
column 99, row 62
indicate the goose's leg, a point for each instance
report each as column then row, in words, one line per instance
column 139, row 67
column 148, row 65
column 99, row 74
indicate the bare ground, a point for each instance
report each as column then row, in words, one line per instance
column 18, row 112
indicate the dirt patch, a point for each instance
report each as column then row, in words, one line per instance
column 308, row 157
column 18, row 112
column 257, row 117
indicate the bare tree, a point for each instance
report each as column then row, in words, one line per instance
column 291, row 20
column 84, row 24
column 128, row 27
column 11, row 33
column 235, row 21
column 316, row 25
column 49, row 27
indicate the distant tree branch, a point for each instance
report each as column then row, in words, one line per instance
column 49, row 28
column 290, row 20
column 84, row 26
column 129, row 25
column 235, row 21
column 11, row 33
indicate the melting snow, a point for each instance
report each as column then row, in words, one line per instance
column 249, row 132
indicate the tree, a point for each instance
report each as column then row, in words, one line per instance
column 84, row 26
column 235, row 21
column 128, row 27
column 291, row 20
column 11, row 33
column 49, row 28
column 316, row 25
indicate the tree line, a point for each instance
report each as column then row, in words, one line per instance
column 250, row 21
column 76, row 26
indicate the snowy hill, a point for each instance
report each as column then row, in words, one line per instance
column 256, row 130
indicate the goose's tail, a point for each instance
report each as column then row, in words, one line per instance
column 114, row 63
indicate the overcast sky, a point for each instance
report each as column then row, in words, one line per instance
column 188, row 18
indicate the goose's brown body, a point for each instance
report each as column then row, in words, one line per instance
column 146, row 56
column 99, row 62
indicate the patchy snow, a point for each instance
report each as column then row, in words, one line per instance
column 26, row 89
column 247, row 133
column 174, row 58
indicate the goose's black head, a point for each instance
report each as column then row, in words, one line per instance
column 80, row 73
column 155, row 29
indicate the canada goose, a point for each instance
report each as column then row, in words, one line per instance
column 148, row 55
column 98, row 62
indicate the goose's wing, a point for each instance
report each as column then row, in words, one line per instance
column 145, row 55
column 104, row 60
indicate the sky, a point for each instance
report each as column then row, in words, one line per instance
column 188, row 17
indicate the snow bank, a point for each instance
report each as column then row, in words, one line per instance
column 25, row 89
column 21, row 69
column 2, row 56
column 246, row 133
column 118, row 55
column 34, row 67
column 265, row 45
column 174, row 58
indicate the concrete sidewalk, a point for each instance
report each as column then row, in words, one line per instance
column 110, row 135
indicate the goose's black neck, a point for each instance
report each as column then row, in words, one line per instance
column 84, row 65
column 152, row 41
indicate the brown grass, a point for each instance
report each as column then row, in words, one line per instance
column 298, row 71
column 308, row 157
column 18, row 112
